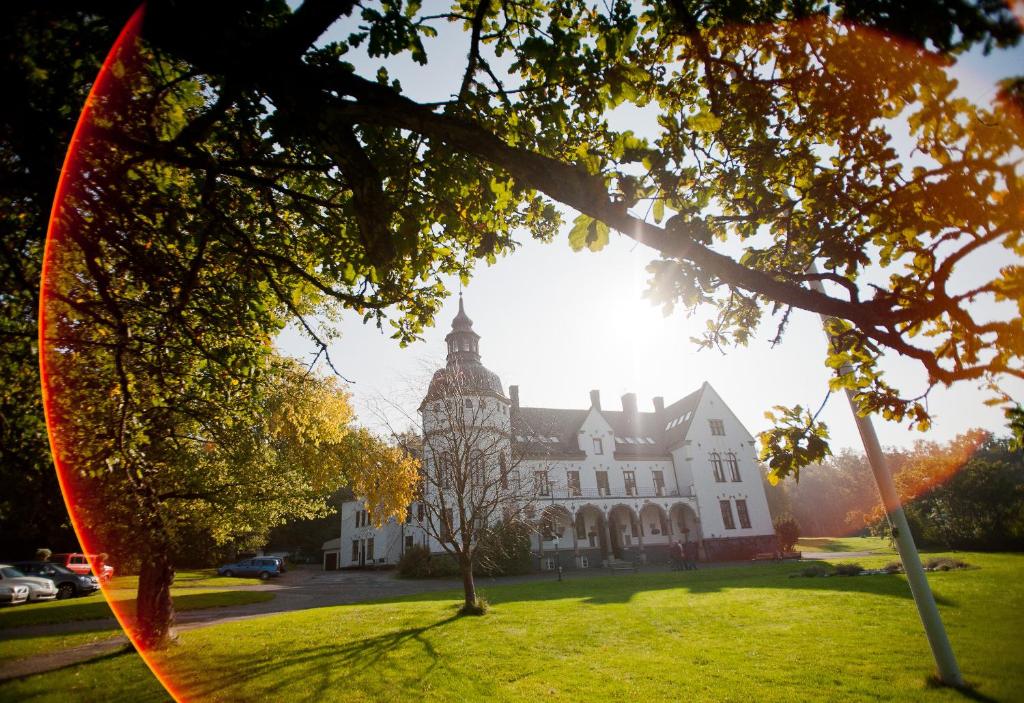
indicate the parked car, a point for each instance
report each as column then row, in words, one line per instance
column 68, row 583
column 39, row 588
column 281, row 567
column 79, row 563
column 13, row 594
column 262, row 567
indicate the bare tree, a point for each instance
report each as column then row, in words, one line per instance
column 471, row 476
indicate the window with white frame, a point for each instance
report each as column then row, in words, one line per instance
column 659, row 482
column 629, row 479
column 727, row 519
column 716, row 467
column 573, row 482
column 598, row 446
column 541, row 485
column 734, row 466
column 741, row 512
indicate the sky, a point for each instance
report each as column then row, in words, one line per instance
column 558, row 324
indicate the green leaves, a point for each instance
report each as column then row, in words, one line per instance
column 704, row 121
column 796, row 441
column 588, row 232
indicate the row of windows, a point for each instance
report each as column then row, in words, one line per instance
column 741, row 512
column 362, row 518
column 719, row 470
column 364, row 549
column 543, row 487
column 482, row 404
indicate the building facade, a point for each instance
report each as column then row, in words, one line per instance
column 602, row 485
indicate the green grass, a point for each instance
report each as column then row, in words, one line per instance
column 844, row 544
column 14, row 646
column 94, row 607
column 204, row 578
column 747, row 633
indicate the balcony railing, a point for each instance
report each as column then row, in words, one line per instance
column 567, row 492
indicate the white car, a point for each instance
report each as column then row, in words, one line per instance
column 11, row 594
column 38, row 588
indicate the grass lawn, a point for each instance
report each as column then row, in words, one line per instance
column 746, row 633
column 94, row 607
column 845, row 544
column 15, row 646
column 205, row 578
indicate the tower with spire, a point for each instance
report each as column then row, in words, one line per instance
column 463, row 342
column 464, row 375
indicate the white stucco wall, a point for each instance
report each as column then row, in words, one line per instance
column 696, row 454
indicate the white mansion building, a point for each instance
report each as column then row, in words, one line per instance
column 610, row 484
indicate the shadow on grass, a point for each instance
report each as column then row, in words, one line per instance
column 609, row 589
column 96, row 609
column 967, row 690
column 827, row 544
column 317, row 667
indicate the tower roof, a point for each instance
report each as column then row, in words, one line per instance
column 461, row 322
column 463, row 374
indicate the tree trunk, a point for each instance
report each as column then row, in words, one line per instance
column 468, row 585
column 154, row 614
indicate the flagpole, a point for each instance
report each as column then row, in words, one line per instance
column 942, row 650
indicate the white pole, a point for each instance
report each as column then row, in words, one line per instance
column 945, row 660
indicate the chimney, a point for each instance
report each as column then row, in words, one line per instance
column 629, row 404
column 595, row 399
column 513, row 394
column 659, row 406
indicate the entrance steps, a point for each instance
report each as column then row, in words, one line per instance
column 621, row 565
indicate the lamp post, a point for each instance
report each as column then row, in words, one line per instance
column 558, row 561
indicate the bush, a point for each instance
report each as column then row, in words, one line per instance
column 788, row 532
column 944, row 564
column 815, row 570
column 415, row 563
column 444, row 566
column 478, row 608
column 504, row 550
column 419, row 563
column 848, row 569
column 893, row 567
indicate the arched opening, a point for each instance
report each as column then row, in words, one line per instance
column 684, row 524
column 623, row 529
column 555, row 522
column 591, row 532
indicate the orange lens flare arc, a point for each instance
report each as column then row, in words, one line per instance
column 125, row 42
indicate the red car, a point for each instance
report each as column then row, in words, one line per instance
column 79, row 563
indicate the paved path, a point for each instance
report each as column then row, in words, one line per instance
column 299, row 589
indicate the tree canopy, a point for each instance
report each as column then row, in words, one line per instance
column 788, row 134
column 169, row 410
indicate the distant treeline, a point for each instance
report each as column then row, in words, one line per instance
column 965, row 494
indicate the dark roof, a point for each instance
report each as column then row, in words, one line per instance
column 548, row 431
column 553, row 431
column 638, row 435
column 461, row 379
column 679, row 416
